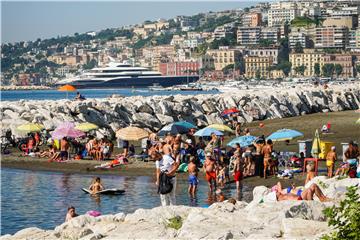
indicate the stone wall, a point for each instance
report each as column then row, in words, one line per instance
column 156, row 111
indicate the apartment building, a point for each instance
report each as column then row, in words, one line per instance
column 223, row 57
column 251, row 19
column 309, row 58
column 264, row 52
column 248, row 35
column 182, row 68
column 340, row 21
column 344, row 60
column 281, row 12
column 223, row 32
column 255, row 66
column 270, row 33
column 301, row 37
column 331, row 37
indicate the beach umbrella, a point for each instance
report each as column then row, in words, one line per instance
column 229, row 111
column 86, row 127
column 185, row 124
column 316, row 149
column 244, row 141
column 284, row 134
column 358, row 121
column 207, row 132
column 67, row 88
column 30, row 127
column 70, row 132
column 132, row 133
column 221, row 127
column 173, row 129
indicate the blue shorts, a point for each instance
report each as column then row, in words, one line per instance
column 193, row 180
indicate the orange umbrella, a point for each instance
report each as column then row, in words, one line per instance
column 67, row 88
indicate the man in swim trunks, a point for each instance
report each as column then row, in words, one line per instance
column 330, row 161
column 193, row 181
column 267, row 150
column 64, row 148
column 238, row 171
column 210, row 171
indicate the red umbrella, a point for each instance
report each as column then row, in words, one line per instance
column 229, row 111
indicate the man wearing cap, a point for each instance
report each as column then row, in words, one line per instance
column 210, row 171
column 330, row 161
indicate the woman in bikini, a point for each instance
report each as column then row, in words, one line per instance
column 96, row 186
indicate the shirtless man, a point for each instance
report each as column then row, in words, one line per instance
column 238, row 171
column 267, row 150
column 177, row 145
column 70, row 214
column 210, row 171
column 330, row 161
column 193, row 181
column 306, row 194
column 259, row 158
column 167, row 148
column 64, row 148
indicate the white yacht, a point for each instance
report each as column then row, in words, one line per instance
column 123, row 75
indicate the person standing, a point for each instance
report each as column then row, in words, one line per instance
column 238, row 171
column 210, row 171
column 330, row 161
column 167, row 165
column 259, row 157
column 267, row 150
column 193, row 180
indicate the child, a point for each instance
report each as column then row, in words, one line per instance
column 221, row 175
column 193, row 180
column 70, row 214
column 96, row 186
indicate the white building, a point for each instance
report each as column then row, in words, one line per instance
column 281, row 12
column 248, row 35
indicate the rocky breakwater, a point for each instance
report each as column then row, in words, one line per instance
column 259, row 219
column 13, row 87
column 156, row 111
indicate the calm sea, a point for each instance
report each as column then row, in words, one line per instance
column 40, row 199
column 89, row 93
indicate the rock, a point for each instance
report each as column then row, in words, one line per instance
column 295, row 228
column 147, row 120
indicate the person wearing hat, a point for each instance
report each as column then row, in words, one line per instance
column 330, row 161
column 210, row 171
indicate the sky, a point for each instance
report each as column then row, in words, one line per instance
column 29, row 20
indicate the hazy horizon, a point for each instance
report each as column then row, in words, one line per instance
column 28, row 21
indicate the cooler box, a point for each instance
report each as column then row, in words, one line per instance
column 305, row 147
column 325, row 148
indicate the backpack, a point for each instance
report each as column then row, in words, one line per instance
column 165, row 184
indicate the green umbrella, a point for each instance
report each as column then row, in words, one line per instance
column 316, row 149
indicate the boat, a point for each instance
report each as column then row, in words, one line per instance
column 191, row 89
column 124, row 75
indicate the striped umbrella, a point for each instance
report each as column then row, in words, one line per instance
column 132, row 133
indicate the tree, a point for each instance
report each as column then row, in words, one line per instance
column 298, row 48
column 300, row 69
column 265, row 42
column 90, row 64
column 328, row 70
column 317, row 69
column 285, row 66
column 258, row 74
column 228, row 69
column 338, row 69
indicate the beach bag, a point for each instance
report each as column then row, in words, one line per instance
column 165, row 184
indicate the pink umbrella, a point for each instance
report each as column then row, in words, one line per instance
column 66, row 130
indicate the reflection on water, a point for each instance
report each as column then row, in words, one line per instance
column 41, row 199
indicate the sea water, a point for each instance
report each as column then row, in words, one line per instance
column 40, row 199
column 90, row 93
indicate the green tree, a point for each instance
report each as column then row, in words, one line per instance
column 338, row 69
column 300, row 69
column 328, row 69
column 345, row 218
column 258, row 74
column 91, row 64
column 317, row 69
column 228, row 69
column 285, row 66
column 265, row 42
column 298, row 48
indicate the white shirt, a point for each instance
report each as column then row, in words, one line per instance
column 165, row 164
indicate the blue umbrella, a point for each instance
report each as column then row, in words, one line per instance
column 244, row 141
column 284, row 134
column 207, row 132
column 176, row 127
column 185, row 124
